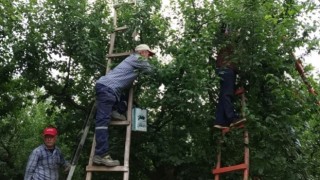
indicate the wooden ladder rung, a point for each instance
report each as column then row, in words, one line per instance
column 120, row 4
column 107, row 169
column 230, row 168
column 120, row 28
column 119, row 54
column 119, row 123
column 226, row 130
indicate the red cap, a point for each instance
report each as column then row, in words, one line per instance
column 50, row 131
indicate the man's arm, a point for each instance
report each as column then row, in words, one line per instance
column 143, row 65
column 31, row 166
column 65, row 164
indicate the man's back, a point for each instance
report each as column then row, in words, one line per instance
column 123, row 75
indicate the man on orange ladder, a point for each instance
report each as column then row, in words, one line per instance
column 226, row 114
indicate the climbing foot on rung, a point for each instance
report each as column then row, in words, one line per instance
column 238, row 122
column 115, row 115
column 106, row 161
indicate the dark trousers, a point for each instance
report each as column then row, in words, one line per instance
column 105, row 99
column 225, row 111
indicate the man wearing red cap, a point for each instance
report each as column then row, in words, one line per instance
column 108, row 92
column 45, row 160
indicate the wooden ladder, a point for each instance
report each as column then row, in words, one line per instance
column 239, row 167
column 125, row 167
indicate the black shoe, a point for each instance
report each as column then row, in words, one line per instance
column 237, row 122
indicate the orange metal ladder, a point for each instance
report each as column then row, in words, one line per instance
column 218, row 170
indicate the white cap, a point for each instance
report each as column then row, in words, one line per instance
column 144, row 47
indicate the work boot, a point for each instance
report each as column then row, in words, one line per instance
column 237, row 122
column 117, row 116
column 106, row 160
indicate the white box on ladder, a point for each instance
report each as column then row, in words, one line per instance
column 139, row 119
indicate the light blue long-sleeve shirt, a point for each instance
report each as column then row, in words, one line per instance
column 44, row 164
column 123, row 75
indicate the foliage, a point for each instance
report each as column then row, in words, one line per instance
column 60, row 47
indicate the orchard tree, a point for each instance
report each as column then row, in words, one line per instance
column 61, row 46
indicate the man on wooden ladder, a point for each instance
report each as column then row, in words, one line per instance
column 108, row 91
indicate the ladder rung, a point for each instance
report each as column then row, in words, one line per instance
column 118, row 54
column 120, row 4
column 119, row 122
column 105, row 168
column 226, row 130
column 120, row 28
column 230, row 168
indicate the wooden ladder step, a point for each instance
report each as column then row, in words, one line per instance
column 230, row 168
column 108, row 169
column 120, row 4
column 120, row 28
column 119, row 54
column 119, row 123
